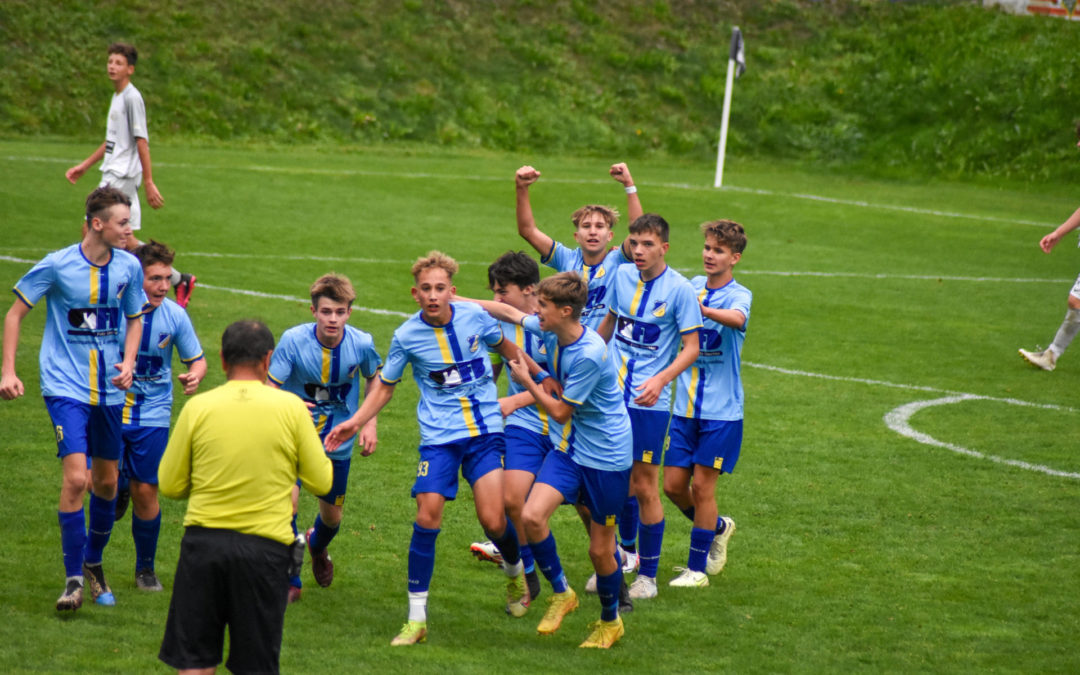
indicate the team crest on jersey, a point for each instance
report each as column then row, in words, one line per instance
column 542, row 349
column 600, row 272
column 474, row 343
column 163, row 340
column 120, row 289
column 352, row 371
column 659, row 308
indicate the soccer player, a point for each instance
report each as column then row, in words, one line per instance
column 591, row 464
column 513, row 278
column 93, row 293
column 653, row 309
column 323, row 363
column 460, row 427
column 126, row 152
column 596, row 260
column 234, row 454
column 706, row 427
column 148, row 404
column 1070, row 325
column 594, row 227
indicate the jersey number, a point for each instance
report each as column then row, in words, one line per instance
column 422, row 469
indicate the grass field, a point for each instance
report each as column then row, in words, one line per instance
column 858, row 548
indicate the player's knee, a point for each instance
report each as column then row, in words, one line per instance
column 533, row 520
column 75, row 482
column 1074, row 302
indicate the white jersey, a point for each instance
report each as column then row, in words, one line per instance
column 127, row 122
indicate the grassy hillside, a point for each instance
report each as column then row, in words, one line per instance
column 898, row 88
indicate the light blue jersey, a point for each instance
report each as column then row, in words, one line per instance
column 451, row 367
column 149, row 401
column 530, row 417
column 711, row 389
column 87, row 309
column 599, row 277
column 650, row 319
column 329, row 378
column 598, row 432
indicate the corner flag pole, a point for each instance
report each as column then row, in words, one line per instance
column 736, row 58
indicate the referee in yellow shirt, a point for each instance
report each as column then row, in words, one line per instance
column 235, row 453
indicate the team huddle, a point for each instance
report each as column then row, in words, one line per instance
column 617, row 364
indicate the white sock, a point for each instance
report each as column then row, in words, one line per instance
column 418, row 606
column 514, row 570
column 1065, row 334
column 174, row 278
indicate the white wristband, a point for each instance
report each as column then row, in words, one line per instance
column 631, row 189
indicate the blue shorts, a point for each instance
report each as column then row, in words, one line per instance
column 525, row 450
column 93, row 430
column 709, row 443
column 143, row 448
column 336, row 496
column 439, row 464
column 650, row 429
column 602, row 492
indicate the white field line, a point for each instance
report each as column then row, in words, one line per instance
column 899, row 418
column 574, row 181
column 683, row 270
column 293, row 298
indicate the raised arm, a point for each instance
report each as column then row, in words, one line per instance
column 525, row 177
column 153, row 196
column 76, row 172
column 11, row 387
column 1051, row 240
column 621, row 173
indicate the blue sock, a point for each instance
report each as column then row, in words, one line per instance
column 607, row 587
column 700, row 540
column 72, row 540
column 322, row 534
column 628, row 524
column 145, row 533
column 651, row 539
column 507, row 544
column 421, row 558
column 527, row 557
column 547, row 559
column 102, row 517
column 688, row 512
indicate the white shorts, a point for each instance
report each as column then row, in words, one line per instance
column 130, row 187
column 1075, row 290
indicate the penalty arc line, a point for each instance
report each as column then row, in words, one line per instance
column 899, row 418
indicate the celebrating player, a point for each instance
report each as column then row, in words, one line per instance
column 460, row 427
column 323, row 363
column 652, row 310
column 706, row 427
column 86, row 286
column 596, row 261
column 148, row 404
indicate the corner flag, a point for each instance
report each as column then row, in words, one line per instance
column 736, row 58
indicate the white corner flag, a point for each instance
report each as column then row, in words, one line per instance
column 736, row 59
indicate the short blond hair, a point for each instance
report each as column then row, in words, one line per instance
column 566, row 289
column 610, row 215
column 434, row 259
column 334, row 287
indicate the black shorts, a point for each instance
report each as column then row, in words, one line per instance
column 227, row 578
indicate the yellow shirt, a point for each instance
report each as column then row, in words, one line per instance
column 235, row 453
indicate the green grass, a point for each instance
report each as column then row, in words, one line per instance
column 857, row 548
column 943, row 88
